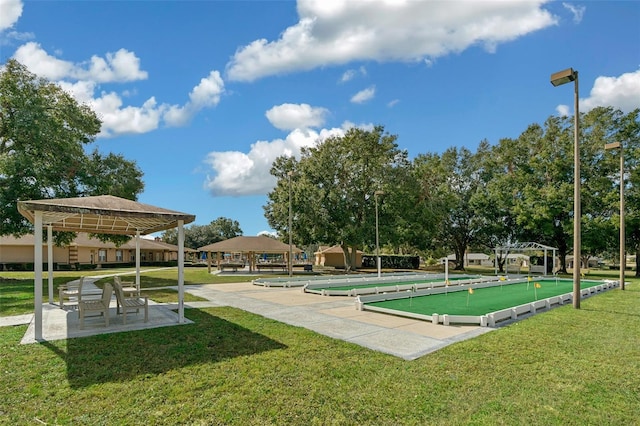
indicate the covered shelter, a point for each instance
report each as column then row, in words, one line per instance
column 103, row 214
column 529, row 247
column 248, row 245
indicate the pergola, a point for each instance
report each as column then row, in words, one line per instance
column 251, row 245
column 104, row 214
column 527, row 247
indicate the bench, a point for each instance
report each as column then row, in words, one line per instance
column 271, row 266
column 233, row 266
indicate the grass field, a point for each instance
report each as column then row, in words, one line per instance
column 565, row 366
column 16, row 288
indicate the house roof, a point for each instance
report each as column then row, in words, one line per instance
column 103, row 214
column 83, row 240
column 259, row 244
column 333, row 249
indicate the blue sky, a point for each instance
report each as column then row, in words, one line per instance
column 204, row 95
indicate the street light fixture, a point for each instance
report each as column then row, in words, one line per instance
column 375, row 195
column 623, row 258
column 558, row 79
column 289, row 174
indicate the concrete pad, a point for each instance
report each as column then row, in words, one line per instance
column 60, row 324
column 337, row 317
column 401, row 344
column 16, row 320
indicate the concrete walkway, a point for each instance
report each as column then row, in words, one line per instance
column 336, row 317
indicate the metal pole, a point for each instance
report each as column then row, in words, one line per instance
column 623, row 257
column 37, row 270
column 180, row 271
column 290, row 233
column 576, row 201
column 375, row 195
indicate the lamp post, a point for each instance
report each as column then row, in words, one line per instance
column 558, row 79
column 375, row 195
column 623, row 257
column 289, row 174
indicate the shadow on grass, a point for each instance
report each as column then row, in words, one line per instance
column 121, row 357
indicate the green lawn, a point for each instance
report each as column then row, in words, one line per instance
column 16, row 288
column 564, row 366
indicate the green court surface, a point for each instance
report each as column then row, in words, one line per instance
column 374, row 284
column 482, row 300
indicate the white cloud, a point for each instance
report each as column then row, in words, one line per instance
column 10, row 12
column 563, row 110
column 206, row 94
column 119, row 120
column 342, row 31
column 619, row 92
column 296, row 116
column 82, row 80
column 236, row 173
column 120, row 66
column 622, row 93
column 364, row 95
column 39, row 62
column 351, row 74
column 577, row 11
column 8, row 37
column 393, row 103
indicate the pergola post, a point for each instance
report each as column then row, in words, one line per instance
column 50, row 261
column 180, row 271
column 37, row 269
column 138, row 261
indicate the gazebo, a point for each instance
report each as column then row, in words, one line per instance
column 250, row 245
column 528, row 247
column 104, row 214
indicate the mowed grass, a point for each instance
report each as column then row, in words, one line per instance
column 564, row 366
column 16, row 288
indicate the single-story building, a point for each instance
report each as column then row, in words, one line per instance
column 88, row 251
column 334, row 256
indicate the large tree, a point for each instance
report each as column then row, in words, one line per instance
column 332, row 189
column 451, row 180
column 201, row 235
column 43, row 132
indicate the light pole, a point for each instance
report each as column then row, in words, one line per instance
column 290, row 233
column 558, row 79
column 375, row 195
column 623, row 257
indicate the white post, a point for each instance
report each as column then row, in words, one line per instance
column 50, row 261
column 181, row 271
column 138, row 261
column 446, row 269
column 37, row 269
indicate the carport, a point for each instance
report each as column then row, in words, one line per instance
column 104, row 214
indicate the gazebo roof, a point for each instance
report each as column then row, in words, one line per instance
column 259, row 244
column 103, row 214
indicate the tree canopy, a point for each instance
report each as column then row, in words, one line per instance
column 332, row 189
column 201, row 235
column 43, row 134
column 517, row 190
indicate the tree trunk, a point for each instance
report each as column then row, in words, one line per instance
column 460, row 258
column 638, row 262
column 348, row 260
